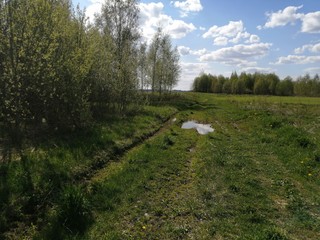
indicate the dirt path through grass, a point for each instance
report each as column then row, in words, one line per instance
column 257, row 176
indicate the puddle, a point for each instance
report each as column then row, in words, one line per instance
column 201, row 128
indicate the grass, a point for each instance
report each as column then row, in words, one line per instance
column 257, row 176
column 32, row 184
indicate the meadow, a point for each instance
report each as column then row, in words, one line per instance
column 257, row 176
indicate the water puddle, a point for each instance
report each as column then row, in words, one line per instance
column 201, row 128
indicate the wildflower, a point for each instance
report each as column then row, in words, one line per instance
column 309, row 174
column 144, row 227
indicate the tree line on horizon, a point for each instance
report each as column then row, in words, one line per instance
column 59, row 69
column 258, row 84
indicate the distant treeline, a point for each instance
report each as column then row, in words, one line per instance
column 58, row 69
column 259, row 84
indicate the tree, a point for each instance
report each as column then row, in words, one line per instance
column 46, row 61
column 273, row 80
column 261, row 85
column 142, row 65
column 248, row 81
column 227, row 86
column 153, row 55
column 164, row 68
column 119, row 19
column 285, row 87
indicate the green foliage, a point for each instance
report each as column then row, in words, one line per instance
column 164, row 69
column 285, row 87
column 258, row 84
column 31, row 184
column 74, row 212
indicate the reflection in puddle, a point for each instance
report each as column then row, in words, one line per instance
column 201, row 128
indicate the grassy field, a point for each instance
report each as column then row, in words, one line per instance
column 34, row 183
column 257, row 176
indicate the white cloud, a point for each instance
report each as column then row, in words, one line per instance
column 311, row 23
column 253, row 39
column 314, row 48
column 239, row 55
column 152, row 17
column 240, row 36
column 188, row 6
column 258, row 69
column 199, row 52
column 283, row 17
column 178, row 28
column 233, row 32
column 189, row 72
column 202, row 28
column 295, row 59
column 186, row 51
column 93, row 8
column 220, row 41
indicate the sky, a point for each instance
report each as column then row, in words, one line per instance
column 220, row 37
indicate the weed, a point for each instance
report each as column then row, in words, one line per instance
column 304, row 142
column 74, row 212
column 167, row 142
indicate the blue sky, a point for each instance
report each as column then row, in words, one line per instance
column 218, row 37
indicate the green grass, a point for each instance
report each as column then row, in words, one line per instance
column 257, row 176
column 32, row 184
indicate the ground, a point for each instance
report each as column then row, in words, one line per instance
column 255, row 177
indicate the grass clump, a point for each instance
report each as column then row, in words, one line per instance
column 74, row 211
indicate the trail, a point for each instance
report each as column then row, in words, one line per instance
column 161, row 200
column 105, row 158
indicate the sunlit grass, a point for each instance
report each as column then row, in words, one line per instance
column 255, row 177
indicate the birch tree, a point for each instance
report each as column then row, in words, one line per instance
column 119, row 19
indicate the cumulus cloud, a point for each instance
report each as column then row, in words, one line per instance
column 189, row 71
column 297, row 59
column 186, row 51
column 311, row 23
column 178, row 28
column 93, row 8
column 314, row 48
column 230, row 30
column 239, row 55
column 188, row 6
column 233, row 32
column 283, row 17
column 240, row 35
column 220, row 41
column 152, row 17
column 253, row 39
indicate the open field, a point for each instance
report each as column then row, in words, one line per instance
column 257, row 176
